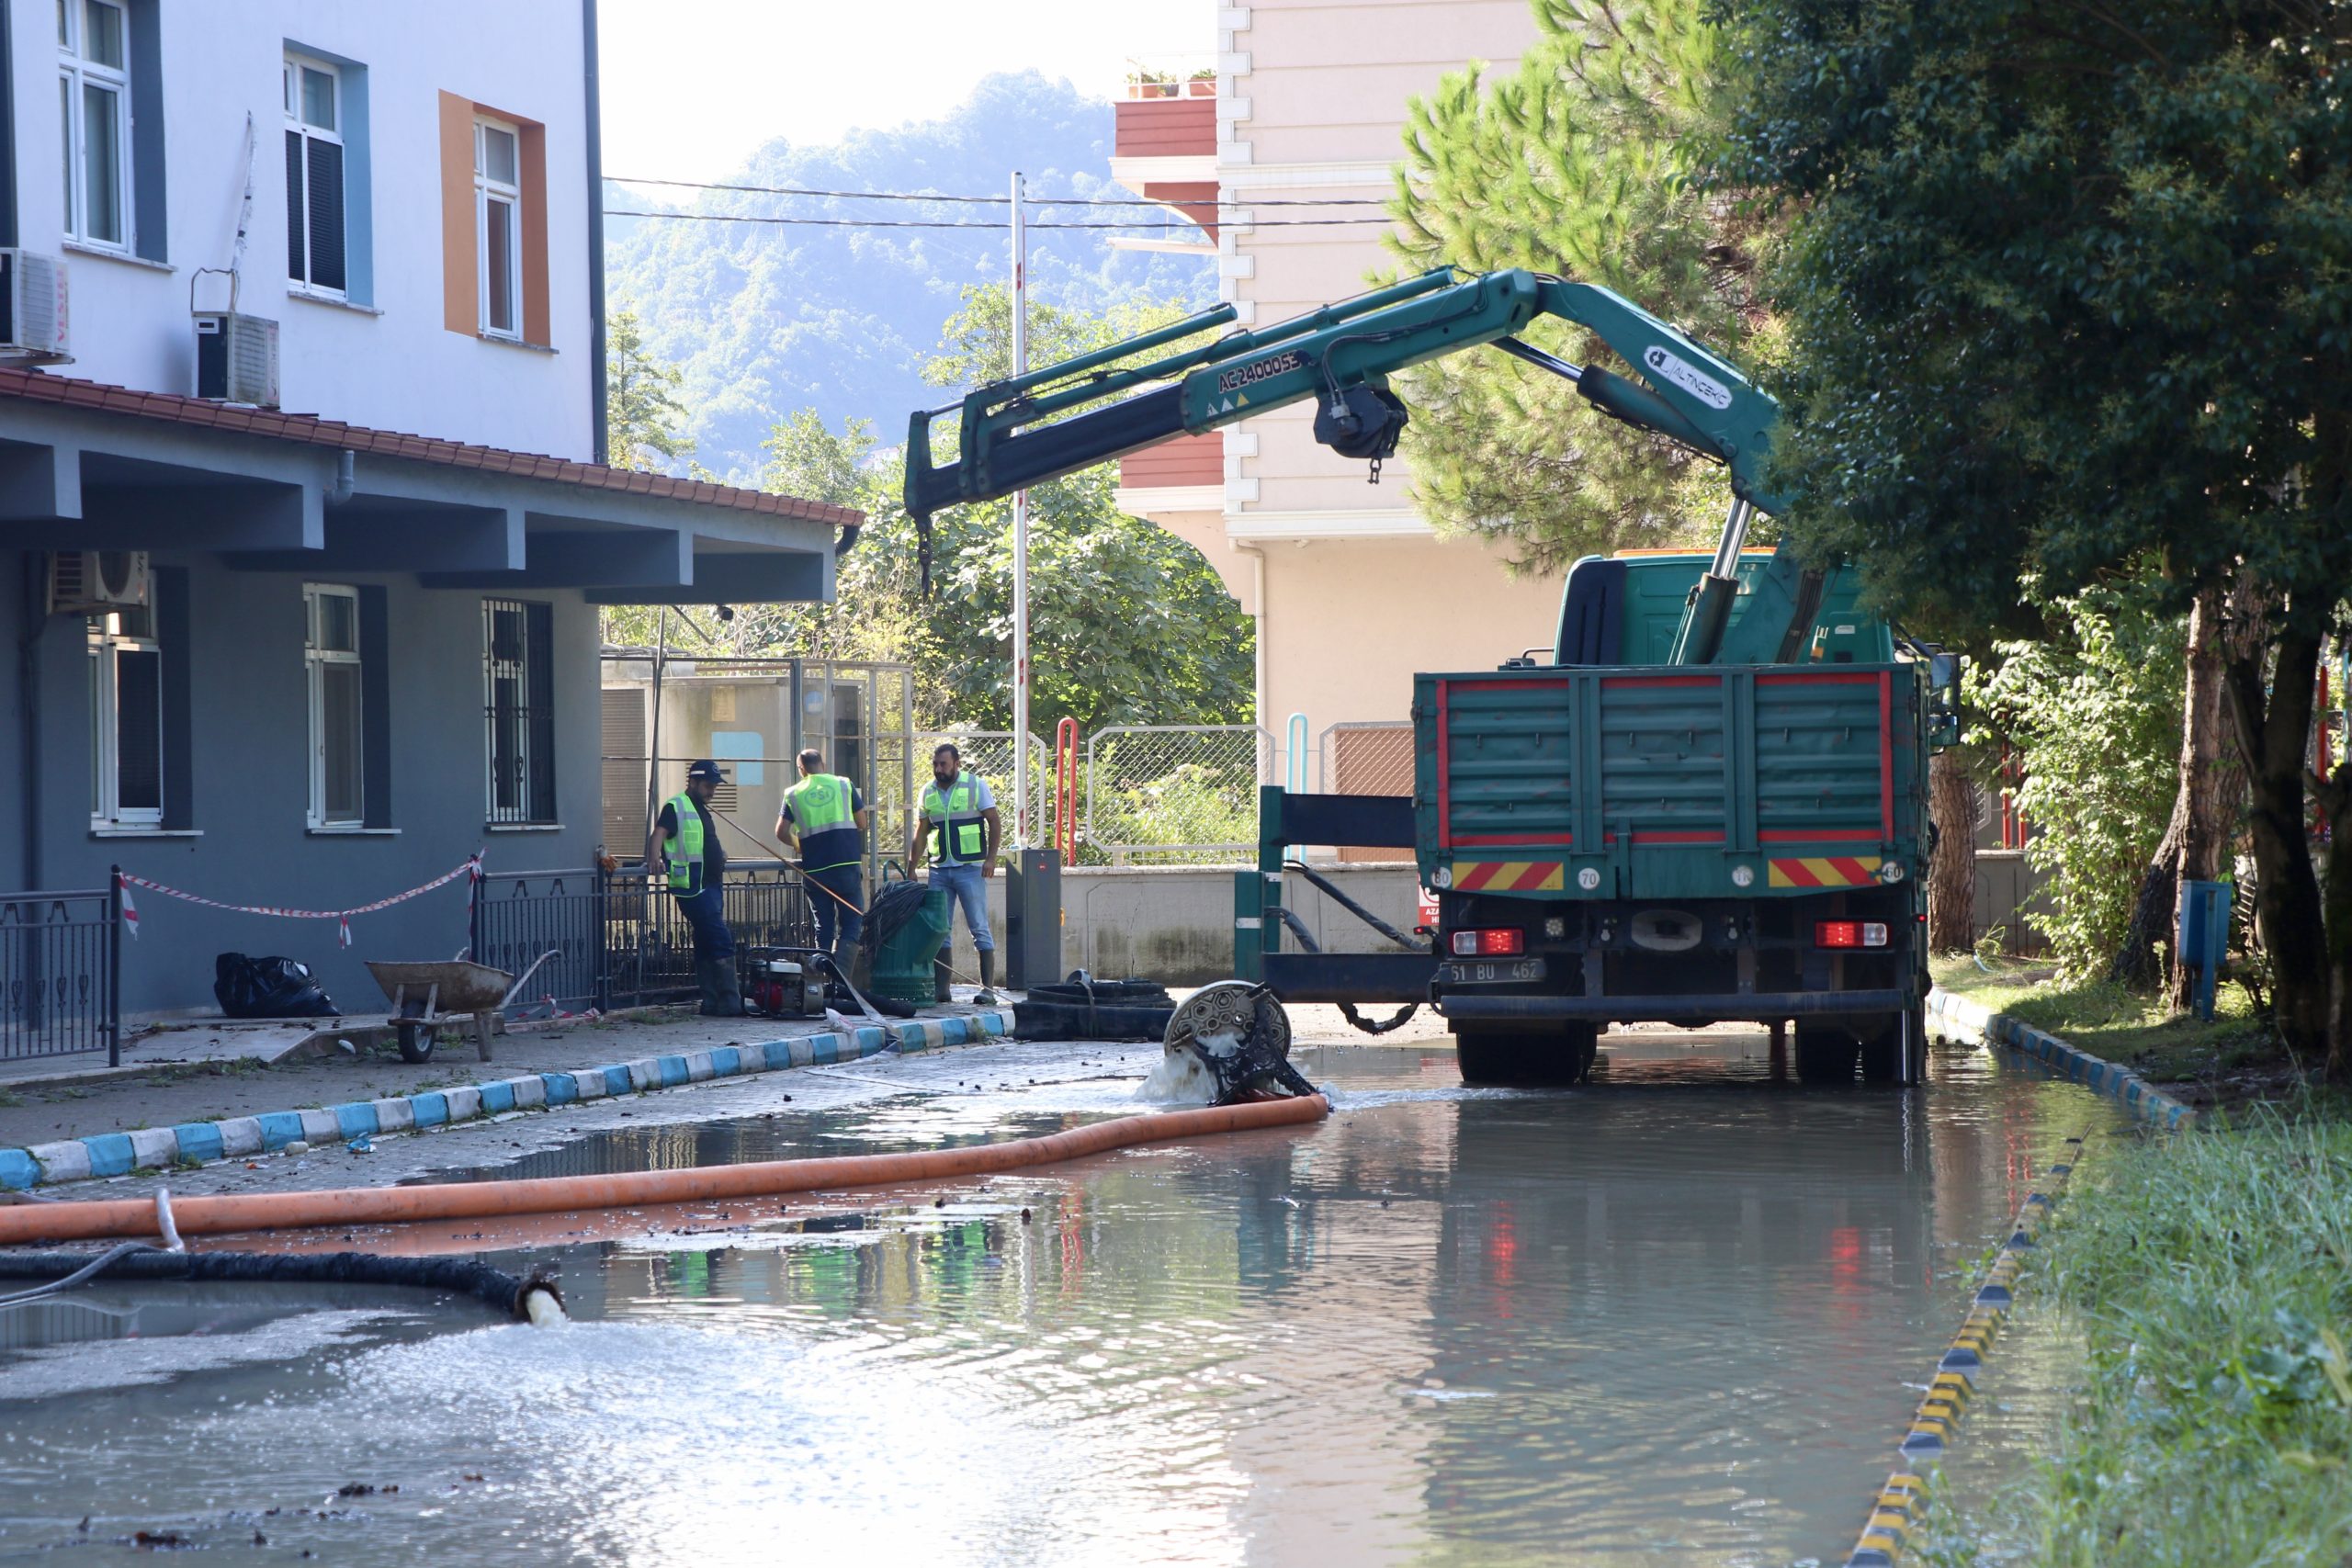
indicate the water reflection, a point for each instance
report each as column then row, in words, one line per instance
column 1662, row 1319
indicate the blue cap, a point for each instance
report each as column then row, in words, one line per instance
column 707, row 769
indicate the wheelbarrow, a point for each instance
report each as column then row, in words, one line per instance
column 424, row 996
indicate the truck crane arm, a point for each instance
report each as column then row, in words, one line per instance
column 1034, row 427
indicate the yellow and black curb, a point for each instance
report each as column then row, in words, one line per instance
column 1934, row 1423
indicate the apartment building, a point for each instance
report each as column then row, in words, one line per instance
column 1352, row 589
column 303, row 529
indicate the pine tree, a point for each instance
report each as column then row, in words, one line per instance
column 1586, row 161
column 641, row 407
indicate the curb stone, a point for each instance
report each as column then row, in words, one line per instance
column 156, row 1148
column 1964, row 1019
column 1896, row 1506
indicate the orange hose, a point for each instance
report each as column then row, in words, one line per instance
column 556, row 1194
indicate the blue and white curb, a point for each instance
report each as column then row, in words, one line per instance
column 1964, row 1018
column 158, row 1148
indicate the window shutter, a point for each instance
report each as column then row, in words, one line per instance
column 376, row 706
column 539, row 670
column 326, row 214
column 295, row 208
column 170, row 588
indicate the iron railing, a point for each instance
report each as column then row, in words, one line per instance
column 60, row 974
column 618, row 938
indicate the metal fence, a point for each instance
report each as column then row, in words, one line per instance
column 59, row 981
column 1175, row 794
column 618, row 936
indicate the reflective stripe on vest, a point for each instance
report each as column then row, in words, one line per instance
column 685, row 846
column 959, row 831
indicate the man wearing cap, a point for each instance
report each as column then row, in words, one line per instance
column 824, row 820
column 684, row 850
column 958, row 823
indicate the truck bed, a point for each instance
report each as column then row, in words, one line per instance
column 1665, row 781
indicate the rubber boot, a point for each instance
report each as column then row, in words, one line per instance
column 942, row 991
column 987, row 997
column 722, row 991
column 729, row 986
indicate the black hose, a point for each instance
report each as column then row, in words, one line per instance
column 501, row 1291
column 1396, row 1020
column 1332, row 891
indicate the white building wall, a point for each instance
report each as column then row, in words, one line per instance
column 395, row 365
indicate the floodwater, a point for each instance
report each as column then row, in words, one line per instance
column 1679, row 1315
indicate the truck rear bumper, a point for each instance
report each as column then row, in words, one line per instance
column 1759, row 1005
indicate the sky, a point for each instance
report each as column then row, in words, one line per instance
column 691, row 86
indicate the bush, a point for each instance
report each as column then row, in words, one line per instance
column 2094, row 712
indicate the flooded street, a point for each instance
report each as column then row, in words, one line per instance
column 1677, row 1316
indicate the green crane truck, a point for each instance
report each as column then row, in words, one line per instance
column 1709, row 806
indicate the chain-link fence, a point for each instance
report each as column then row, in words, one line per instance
column 1172, row 795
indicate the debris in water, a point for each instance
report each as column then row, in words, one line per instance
column 1024, row 1216
column 939, row 1202
column 159, row 1541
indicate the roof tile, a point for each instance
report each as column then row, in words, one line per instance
column 33, row 386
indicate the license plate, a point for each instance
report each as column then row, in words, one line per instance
column 1490, row 972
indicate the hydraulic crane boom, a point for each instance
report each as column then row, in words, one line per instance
column 1021, row 432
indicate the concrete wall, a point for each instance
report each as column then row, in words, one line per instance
column 248, row 781
column 397, row 366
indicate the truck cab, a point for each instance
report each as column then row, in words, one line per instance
column 1614, row 837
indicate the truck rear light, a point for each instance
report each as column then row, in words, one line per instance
column 1848, row 933
column 1500, row 943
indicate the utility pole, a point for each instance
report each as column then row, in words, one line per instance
column 1019, row 542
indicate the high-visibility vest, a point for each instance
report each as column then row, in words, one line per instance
column 960, row 834
column 822, row 803
column 685, row 846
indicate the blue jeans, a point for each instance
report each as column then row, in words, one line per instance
column 830, row 912
column 968, row 887
column 707, row 912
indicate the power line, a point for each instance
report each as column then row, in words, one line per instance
column 951, row 223
column 1001, row 200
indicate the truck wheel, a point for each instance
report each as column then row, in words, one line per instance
column 1506, row 1058
column 1825, row 1052
column 1896, row 1049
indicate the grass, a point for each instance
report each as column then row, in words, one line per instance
column 2213, row 1277
column 2121, row 1025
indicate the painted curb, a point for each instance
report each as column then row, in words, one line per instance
column 1934, row 1423
column 1961, row 1017
column 120, row 1154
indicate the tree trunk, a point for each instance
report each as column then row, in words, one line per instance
column 2136, row 963
column 2272, row 735
column 1951, row 869
column 2335, row 797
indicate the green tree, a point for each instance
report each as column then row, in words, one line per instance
column 2068, row 285
column 641, row 407
column 2093, row 712
column 1583, row 162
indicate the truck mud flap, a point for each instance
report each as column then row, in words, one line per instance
column 1665, row 1010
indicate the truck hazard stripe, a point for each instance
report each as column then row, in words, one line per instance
column 1508, row 875
column 1825, row 870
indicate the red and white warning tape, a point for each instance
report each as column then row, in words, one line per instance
column 471, row 870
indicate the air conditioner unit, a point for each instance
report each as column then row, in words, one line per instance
column 236, row 358
column 32, row 296
column 86, row 583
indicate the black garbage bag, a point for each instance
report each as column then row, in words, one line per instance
column 268, row 987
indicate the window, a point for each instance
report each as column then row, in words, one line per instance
column 125, row 720
column 315, row 243
column 518, row 709
column 94, row 115
column 331, row 653
column 498, row 227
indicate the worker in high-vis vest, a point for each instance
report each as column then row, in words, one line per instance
column 683, row 854
column 958, row 826
column 824, row 820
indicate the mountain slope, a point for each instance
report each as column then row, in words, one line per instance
column 766, row 319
